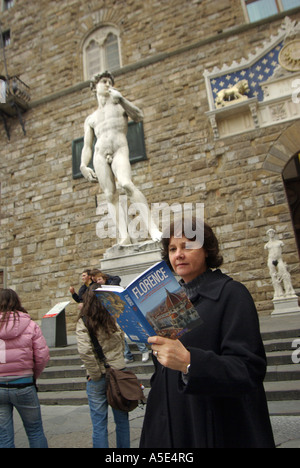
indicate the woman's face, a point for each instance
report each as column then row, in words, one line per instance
column 188, row 259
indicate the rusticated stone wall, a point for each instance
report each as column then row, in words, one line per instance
column 48, row 219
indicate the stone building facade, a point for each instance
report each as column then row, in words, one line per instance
column 170, row 53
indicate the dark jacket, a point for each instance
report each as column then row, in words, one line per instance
column 79, row 297
column 113, row 280
column 223, row 403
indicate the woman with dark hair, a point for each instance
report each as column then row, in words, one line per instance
column 95, row 319
column 23, row 356
column 207, row 389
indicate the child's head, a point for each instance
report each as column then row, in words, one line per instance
column 101, row 278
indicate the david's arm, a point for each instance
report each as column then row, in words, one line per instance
column 131, row 110
column 87, row 153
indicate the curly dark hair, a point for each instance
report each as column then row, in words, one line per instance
column 9, row 302
column 210, row 245
column 97, row 78
column 97, row 316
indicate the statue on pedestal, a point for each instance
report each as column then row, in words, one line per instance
column 277, row 267
column 233, row 94
column 109, row 124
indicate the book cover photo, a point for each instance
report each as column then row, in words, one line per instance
column 153, row 304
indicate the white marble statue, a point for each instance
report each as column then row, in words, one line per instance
column 277, row 267
column 109, row 123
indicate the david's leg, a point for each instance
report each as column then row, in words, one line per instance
column 116, row 212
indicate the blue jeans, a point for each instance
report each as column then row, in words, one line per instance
column 96, row 392
column 26, row 401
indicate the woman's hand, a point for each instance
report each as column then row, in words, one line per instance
column 170, row 353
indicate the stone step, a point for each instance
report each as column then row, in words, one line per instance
column 280, row 334
column 52, row 391
column 77, row 383
column 72, row 398
column 72, row 350
column 281, row 391
column 64, row 384
column 70, row 357
column 277, row 358
column 61, row 371
column 284, row 344
column 139, row 367
column 68, row 360
column 63, row 398
column 284, row 407
column 73, row 391
column 64, row 380
column 68, row 392
column 283, row 373
column 280, row 370
column 64, row 351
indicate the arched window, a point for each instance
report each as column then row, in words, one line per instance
column 112, row 52
column 92, row 58
column 101, row 51
column 291, row 178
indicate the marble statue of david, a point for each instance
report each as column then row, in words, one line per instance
column 109, row 123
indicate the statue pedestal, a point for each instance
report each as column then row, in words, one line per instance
column 286, row 305
column 128, row 261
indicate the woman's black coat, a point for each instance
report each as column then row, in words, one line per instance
column 223, row 403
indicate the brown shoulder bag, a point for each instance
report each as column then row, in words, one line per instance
column 123, row 390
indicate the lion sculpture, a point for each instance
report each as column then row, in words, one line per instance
column 231, row 95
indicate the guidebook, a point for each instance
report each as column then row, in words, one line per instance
column 153, row 304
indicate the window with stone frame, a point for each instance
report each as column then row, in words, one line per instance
column 7, row 4
column 101, row 51
column 5, row 40
column 256, row 10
